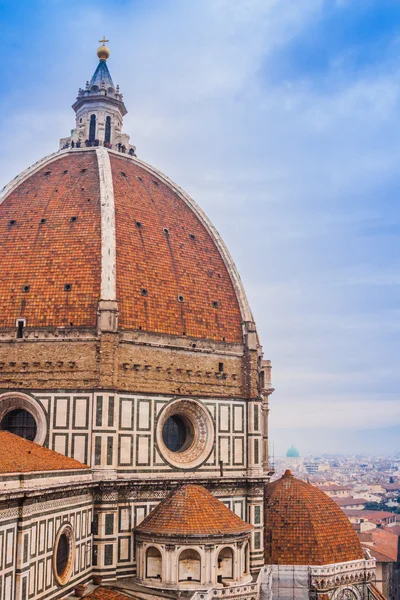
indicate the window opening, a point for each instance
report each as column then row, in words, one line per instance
column 107, row 137
column 21, row 423
column 174, row 433
column 20, row 328
column 62, row 555
column 92, row 128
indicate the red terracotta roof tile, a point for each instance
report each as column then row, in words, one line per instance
column 382, row 541
column 192, row 511
column 183, row 262
column 18, row 455
column 304, row 526
column 349, row 501
column 103, row 593
column 45, row 250
column 47, row 255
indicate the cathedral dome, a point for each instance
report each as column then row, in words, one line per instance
column 90, row 225
column 292, row 453
column 304, row 526
column 193, row 511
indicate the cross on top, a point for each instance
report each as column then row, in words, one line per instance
column 104, row 41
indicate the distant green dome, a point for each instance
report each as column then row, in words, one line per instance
column 292, row 453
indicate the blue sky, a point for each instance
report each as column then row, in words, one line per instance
column 282, row 120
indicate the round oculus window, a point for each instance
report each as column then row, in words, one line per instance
column 20, row 422
column 64, row 554
column 23, row 416
column 185, row 433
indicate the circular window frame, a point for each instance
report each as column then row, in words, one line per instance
column 201, row 431
column 14, row 401
column 67, row 530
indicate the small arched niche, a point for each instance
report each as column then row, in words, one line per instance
column 225, row 564
column 153, row 563
column 189, row 568
column 246, row 557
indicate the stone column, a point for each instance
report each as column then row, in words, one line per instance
column 266, row 390
column 239, row 561
column 265, row 414
column 209, row 570
column 169, row 571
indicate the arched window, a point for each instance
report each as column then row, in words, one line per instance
column 20, row 422
column 189, row 566
column 107, row 137
column 153, row 563
column 92, row 128
column 225, row 564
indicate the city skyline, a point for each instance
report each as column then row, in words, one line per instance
column 283, row 123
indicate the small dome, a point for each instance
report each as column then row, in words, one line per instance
column 292, row 453
column 304, row 526
column 192, row 511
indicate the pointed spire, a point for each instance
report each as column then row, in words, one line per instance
column 100, row 110
column 101, row 76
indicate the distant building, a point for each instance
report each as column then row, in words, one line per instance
column 292, row 452
column 336, row 491
column 383, row 545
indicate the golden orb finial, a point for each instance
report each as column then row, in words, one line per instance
column 102, row 51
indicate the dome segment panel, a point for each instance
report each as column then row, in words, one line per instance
column 304, row 526
column 50, row 245
column 171, row 277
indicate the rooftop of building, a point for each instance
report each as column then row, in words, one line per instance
column 18, row 455
column 383, row 541
column 349, row 501
column 192, row 510
column 376, row 515
column 171, row 276
column 304, row 526
column 334, row 488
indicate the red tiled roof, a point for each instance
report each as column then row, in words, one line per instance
column 168, row 265
column 192, row 511
column 382, row 541
column 377, row 515
column 304, row 526
column 333, row 488
column 18, row 455
column 103, row 593
column 41, row 247
column 46, row 256
column 349, row 501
